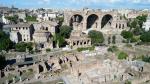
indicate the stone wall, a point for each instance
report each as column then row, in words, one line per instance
column 117, row 22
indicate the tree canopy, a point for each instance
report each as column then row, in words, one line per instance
column 96, row 37
column 136, row 24
column 59, row 39
column 127, row 34
column 138, row 31
column 60, row 19
column 12, row 18
column 31, row 18
column 145, row 37
column 65, row 31
column 146, row 59
column 21, row 47
column 141, row 19
column 85, row 48
column 133, row 24
column 138, row 21
column 112, row 49
column 5, row 42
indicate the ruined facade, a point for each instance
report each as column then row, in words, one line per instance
column 40, row 33
column 78, row 39
column 43, row 34
column 109, row 23
column 95, row 19
column 21, row 32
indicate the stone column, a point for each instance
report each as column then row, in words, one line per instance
column 82, row 43
column 37, row 69
column 36, row 76
column 78, row 43
column 84, row 23
column 6, row 81
column 99, row 22
column 122, row 26
column 90, row 42
column 71, row 44
column 87, row 42
column 77, row 19
column 14, row 81
column 44, row 67
column 57, row 44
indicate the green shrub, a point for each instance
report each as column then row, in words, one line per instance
column 86, row 48
column 112, row 49
column 127, row 82
column 31, row 18
column 21, row 47
column 48, row 50
column 145, row 37
column 5, row 42
column 96, row 37
column 30, row 70
column 59, row 38
column 65, row 31
column 122, row 55
column 128, row 45
column 12, row 18
column 32, row 52
column 146, row 59
column 133, row 39
column 128, row 35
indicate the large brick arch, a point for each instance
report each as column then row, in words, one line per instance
column 87, row 13
column 74, row 18
column 92, row 21
column 106, row 18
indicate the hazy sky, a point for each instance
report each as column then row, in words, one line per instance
column 137, row 4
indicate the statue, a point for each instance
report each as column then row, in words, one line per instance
column 77, row 19
column 73, row 19
column 20, row 79
column 6, row 81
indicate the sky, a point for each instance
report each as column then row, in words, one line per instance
column 76, row 4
